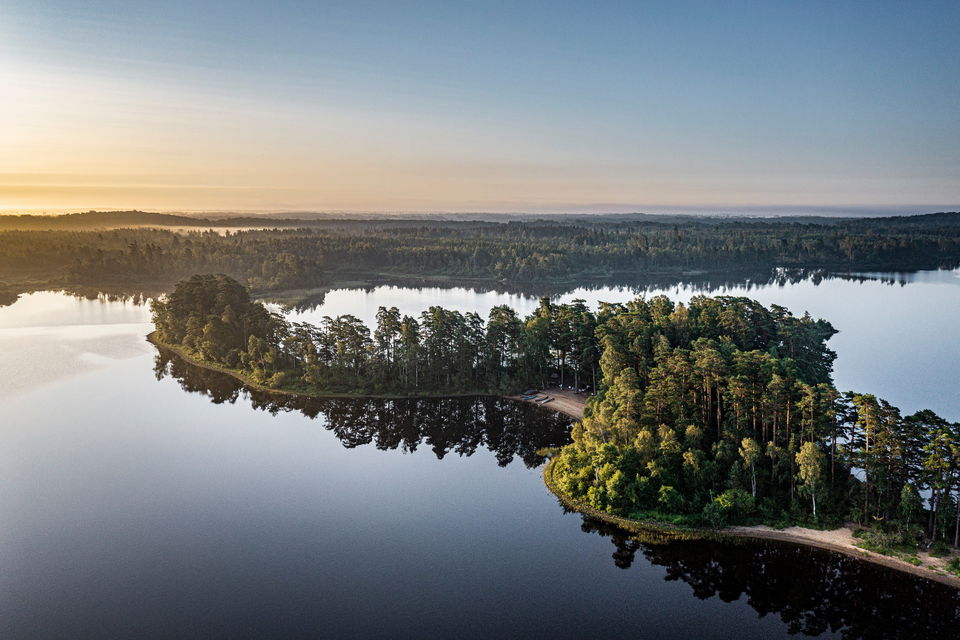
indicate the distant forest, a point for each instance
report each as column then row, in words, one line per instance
column 133, row 251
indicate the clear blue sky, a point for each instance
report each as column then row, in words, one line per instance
column 481, row 106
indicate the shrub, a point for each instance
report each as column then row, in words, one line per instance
column 713, row 514
column 735, row 503
column 954, row 566
column 895, row 542
column 670, row 499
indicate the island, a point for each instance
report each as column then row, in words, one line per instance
column 716, row 417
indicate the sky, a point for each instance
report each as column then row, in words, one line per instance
column 480, row 106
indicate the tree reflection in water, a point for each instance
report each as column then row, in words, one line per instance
column 460, row 425
column 812, row 590
column 645, row 284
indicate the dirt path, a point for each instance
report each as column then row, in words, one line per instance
column 565, row 401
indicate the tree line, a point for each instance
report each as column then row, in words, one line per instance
column 555, row 250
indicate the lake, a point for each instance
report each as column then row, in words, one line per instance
column 142, row 497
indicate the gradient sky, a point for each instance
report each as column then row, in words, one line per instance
column 480, row 106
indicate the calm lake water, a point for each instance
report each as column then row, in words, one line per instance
column 141, row 497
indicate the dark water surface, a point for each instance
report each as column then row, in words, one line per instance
column 141, row 497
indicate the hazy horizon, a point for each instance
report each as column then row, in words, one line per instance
column 758, row 212
column 492, row 107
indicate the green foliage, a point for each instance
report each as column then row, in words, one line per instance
column 687, row 396
column 735, row 502
column 810, row 461
column 214, row 316
column 713, row 515
column 731, row 506
column 896, row 542
column 669, row 499
column 953, row 566
column 910, row 510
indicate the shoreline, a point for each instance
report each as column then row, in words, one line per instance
column 829, row 540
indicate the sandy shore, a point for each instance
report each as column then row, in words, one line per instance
column 565, row 401
column 841, row 540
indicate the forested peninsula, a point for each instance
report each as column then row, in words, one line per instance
column 714, row 413
column 131, row 252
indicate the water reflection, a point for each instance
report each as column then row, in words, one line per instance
column 903, row 278
column 459, row 425
column 135, row 295
column 812, row 591
column 416, row 295
column 636, row 284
